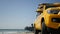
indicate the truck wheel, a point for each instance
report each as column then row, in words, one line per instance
column 55, row 32
column 36, row 31
column 44, row 29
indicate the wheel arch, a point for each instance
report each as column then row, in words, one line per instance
column 42, row 20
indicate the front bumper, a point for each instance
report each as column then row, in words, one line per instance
column 49, row 23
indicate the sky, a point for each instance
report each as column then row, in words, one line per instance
column 17, row 14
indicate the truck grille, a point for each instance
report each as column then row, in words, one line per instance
column 56, row 20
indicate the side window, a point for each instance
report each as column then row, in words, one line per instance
column 41, row 10
column 38, row 13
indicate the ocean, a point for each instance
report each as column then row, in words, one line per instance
column 12, row 31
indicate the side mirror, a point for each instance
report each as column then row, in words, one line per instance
column 39, row 10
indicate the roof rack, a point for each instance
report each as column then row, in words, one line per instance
column 49, row 4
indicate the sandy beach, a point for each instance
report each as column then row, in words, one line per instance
column 26, row 33
column 16, row 33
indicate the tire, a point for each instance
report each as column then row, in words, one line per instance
column 55, row 32
column 36, row 31
column 44, row 29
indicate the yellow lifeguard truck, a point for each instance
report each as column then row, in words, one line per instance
column 48, row 19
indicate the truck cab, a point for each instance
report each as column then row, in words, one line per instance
column 49, row 18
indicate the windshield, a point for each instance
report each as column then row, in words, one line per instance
column 50, row 6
